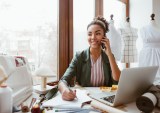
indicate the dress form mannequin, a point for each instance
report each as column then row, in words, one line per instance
column 129, row 36
column 115, row 39
column 150, row 53
column 153, row 22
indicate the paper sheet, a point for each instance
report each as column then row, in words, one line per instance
column 59, row 102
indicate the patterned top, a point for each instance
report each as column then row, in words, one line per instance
column 129, row 51
column 97, row 73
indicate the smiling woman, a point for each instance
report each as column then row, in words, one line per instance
column 94, row 66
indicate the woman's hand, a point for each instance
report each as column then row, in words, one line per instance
column 106, row 42
column 68, row 94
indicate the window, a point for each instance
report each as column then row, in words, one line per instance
column 29, row 28
column 83, row 12
column 117, row 8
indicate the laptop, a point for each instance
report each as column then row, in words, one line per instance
column 133, row 83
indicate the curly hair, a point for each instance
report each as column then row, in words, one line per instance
column 101, row 21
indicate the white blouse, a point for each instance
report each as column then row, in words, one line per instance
column 97, row 73
column 150, row 53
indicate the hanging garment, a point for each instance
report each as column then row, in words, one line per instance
column 150, row 53
column 129, row 52
column 115, row 40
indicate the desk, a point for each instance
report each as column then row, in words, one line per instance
column 128, row 108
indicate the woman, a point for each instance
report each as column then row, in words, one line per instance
column 93, row 67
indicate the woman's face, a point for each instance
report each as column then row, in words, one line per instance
column 95, row 35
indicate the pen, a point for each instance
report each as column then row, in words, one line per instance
column 65, row 83
column 72, row 91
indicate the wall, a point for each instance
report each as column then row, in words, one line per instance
column 156, row 10
column 140, row 11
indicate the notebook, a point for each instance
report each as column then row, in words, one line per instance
column 58, row 102
column 133, row 83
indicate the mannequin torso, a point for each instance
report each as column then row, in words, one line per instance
column 115, row 40
column 150, row 53
column 129, row 37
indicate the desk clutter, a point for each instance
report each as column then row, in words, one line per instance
column 53, row 103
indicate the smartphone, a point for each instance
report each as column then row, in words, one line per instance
column 103, row 46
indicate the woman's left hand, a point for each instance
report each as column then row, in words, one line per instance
column 106, row 42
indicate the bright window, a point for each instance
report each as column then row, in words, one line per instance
column 117, row 8
column 83, row 12
column 29, row 28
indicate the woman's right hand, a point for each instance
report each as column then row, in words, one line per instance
column 68, row 94
column 106, row 42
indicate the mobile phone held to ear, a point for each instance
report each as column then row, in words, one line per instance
column 103, row 46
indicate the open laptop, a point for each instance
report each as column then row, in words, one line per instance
column 133, row 83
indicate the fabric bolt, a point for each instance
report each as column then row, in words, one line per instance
column 97, row 73
column 129, row 51
column 115, row 40
column 150, row 53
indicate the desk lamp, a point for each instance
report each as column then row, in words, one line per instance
column 44, row 73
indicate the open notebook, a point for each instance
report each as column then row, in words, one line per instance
column 58, row 102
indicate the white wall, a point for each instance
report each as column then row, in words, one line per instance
column 140, row 11
column 156, row 10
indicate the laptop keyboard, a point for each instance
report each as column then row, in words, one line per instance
column 109, row 98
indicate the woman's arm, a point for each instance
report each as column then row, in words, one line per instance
column 64, row 82
column 67, row 93
column 115, row 70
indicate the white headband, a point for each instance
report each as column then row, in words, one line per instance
column 102, row 23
